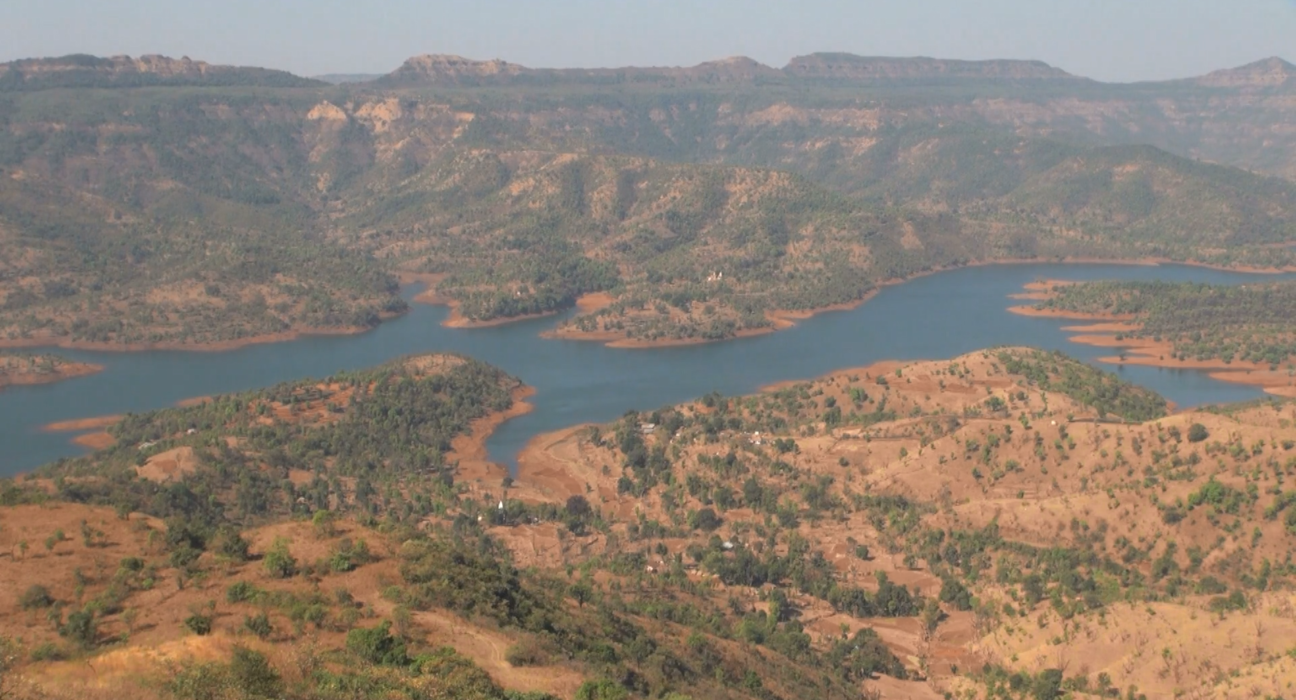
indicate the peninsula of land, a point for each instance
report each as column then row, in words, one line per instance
column 20, row 369
column 1244, row 334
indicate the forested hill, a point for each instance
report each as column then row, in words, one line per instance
column 385, row 423
column 200, row 204
column 1250, row 323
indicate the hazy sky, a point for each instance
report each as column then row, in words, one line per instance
column 1120, row 40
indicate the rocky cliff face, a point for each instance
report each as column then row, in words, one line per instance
column 442, row 69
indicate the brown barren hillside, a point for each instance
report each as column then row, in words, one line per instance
column 979, row 452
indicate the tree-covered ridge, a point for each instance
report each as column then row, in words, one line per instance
column 704, row 252
column 397, row 419
column 180, row 237
column 686, row 251
column 1145, row 200
column 1246, row 322
column 1090, row 386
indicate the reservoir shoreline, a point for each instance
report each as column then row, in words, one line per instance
column 781, row 319
column 929, row 316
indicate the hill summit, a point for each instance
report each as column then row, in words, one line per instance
column 1270, row 72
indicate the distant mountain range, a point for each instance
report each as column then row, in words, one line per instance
column 159, row 200
column 124, row 71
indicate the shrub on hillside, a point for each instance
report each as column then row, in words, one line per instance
column 35, row 597
column 1197, row 432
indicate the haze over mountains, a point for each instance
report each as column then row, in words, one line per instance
column 160, row 200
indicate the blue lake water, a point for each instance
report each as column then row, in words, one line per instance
column 933, row 317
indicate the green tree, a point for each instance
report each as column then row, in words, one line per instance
column 1047, row 685
column 279, row 561
column 705, row 520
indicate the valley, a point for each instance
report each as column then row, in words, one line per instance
column 722, row 381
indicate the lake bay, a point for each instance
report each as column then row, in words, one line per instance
column 937, row 316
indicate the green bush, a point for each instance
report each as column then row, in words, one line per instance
column 1233, row 601
column 252, row 674
column 241, row 592
column 195, row 681
column 199, row 624
column 35, row 597
column 247, row 675
column 259, row 625
column 705, row 520
column 529, row 651
column 346, row 556
column 376, row 645
column 230, row 544
column 1197, row 432
column 863, row 655
column 48, row 651
column 81, row 628
column 602, row 689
